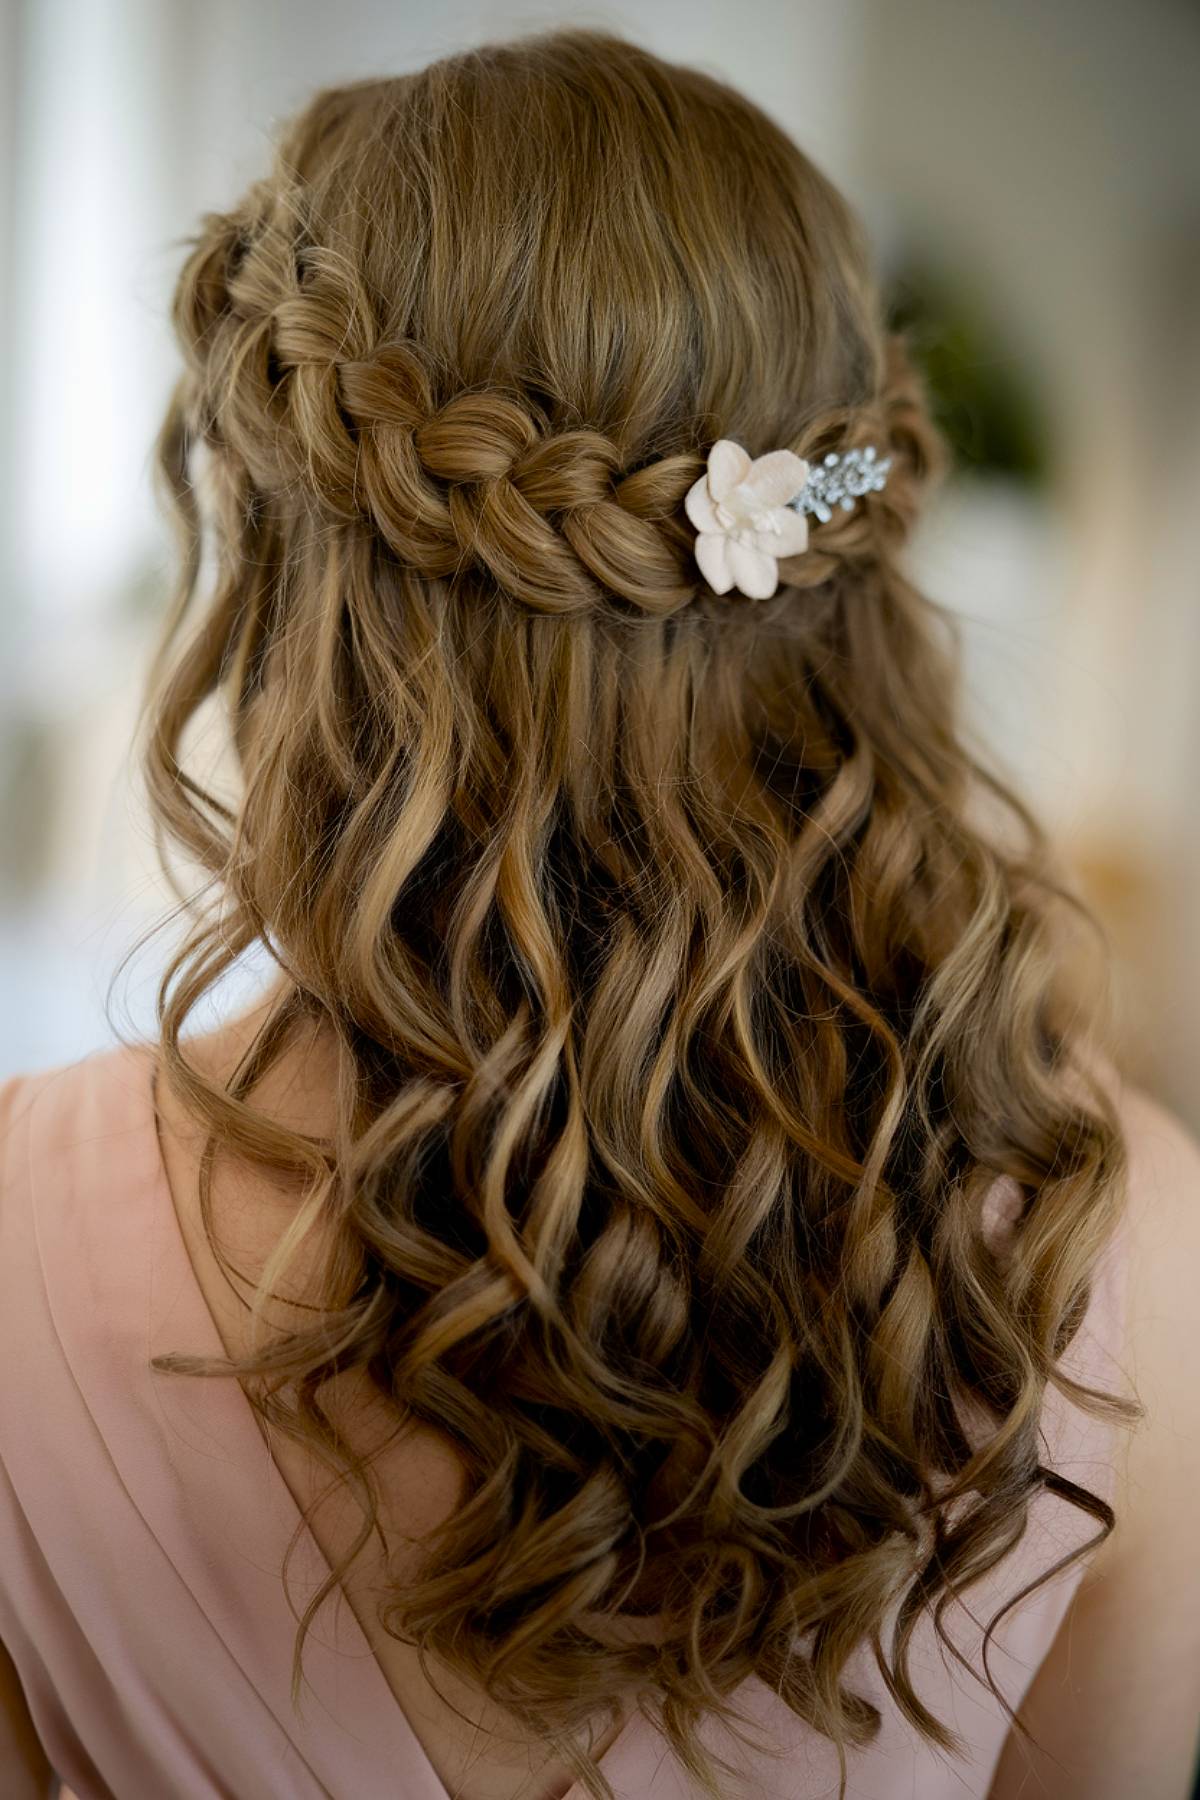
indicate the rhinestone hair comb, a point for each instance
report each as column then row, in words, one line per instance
column 839, row 480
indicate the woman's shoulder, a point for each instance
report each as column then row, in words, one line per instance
column 21, row 1097
column 68, row 1110
column 1159, row 1461
column 1113, row 1709
column 1154, row 1272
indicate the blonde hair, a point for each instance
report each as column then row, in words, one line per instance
column 684, row 1006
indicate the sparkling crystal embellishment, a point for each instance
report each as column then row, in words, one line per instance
column 839, row 480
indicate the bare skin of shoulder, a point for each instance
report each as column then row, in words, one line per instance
column 1115, row 1706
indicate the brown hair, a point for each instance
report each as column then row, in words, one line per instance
column 685, row 1005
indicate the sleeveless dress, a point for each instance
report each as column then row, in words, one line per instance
column 143, row 1525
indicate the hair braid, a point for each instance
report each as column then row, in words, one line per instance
column 296, row 378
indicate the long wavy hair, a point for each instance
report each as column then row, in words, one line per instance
column 690, row 979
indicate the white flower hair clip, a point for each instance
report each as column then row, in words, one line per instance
column 750, row 512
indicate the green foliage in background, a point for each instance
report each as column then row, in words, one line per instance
column 982, row 394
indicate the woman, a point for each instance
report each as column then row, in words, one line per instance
column 680, row 1255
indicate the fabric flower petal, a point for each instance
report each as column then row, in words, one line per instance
column 728, row 464
column 776, row 478
column 712, row 554
column 739, row 509
column 699, row 506
column 754, row 572
column 790, row 539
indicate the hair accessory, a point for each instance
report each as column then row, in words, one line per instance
column 749, row 513
column 741, row 510
column 840, row 480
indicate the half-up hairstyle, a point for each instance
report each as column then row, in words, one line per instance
column 690, row 980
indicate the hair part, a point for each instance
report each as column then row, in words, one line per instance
column 685, row 1008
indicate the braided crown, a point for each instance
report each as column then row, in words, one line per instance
column 291, row 373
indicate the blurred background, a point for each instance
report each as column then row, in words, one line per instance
column 1030, row 178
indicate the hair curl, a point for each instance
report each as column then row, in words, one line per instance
column 685, row 1003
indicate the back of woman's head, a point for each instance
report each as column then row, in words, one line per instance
column 684, row 1008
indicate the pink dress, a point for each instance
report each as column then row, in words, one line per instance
column 143, row 1526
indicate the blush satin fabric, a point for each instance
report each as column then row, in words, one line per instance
column 143, row 1526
